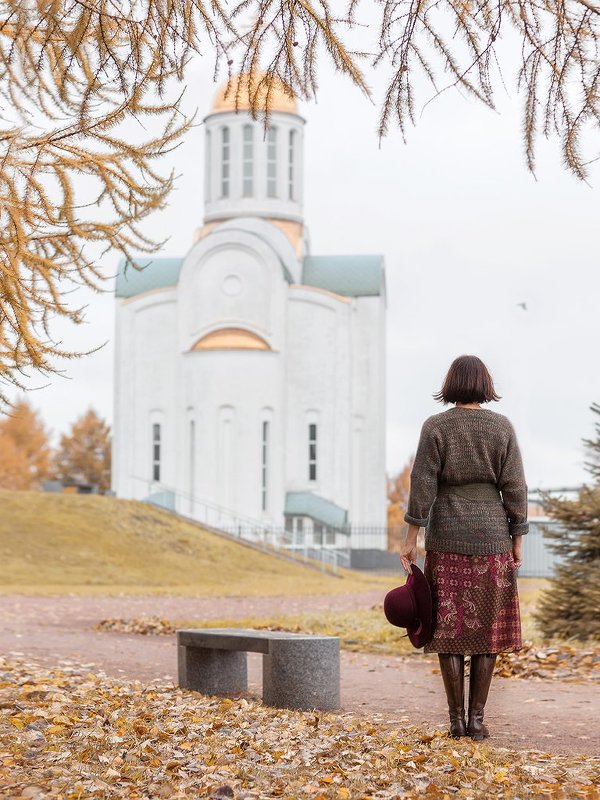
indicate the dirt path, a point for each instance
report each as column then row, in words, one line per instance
column 556, row 717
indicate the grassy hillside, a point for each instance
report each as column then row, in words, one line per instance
column 51, row 543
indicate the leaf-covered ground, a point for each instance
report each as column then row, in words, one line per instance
column 557, row 661
column 359, row 629
column 367, row 631
column 67, row 733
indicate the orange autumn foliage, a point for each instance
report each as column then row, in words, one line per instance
column 398, row 492
column 25, row 455
column 84, row 455
column 14, row 469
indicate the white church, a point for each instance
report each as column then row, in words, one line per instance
column 250, row 373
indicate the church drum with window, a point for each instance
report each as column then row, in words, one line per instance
column 250, row 374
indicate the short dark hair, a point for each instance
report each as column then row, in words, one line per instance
column 468, row 381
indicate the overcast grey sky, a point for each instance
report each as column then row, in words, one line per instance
column 467, row 234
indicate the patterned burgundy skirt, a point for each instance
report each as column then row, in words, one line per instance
column 475, row 603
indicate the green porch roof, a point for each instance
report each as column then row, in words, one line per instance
column 352, row 276
column 156, row 273
column 307, row 504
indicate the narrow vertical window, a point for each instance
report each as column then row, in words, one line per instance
column 272, row 162
column 248, row 161
column 312, row 452
column 264, row 465
column 156, row 451
column 225, row 162
column 291, row 165
column 207, row 164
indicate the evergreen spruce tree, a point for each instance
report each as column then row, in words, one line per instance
column 570, row 607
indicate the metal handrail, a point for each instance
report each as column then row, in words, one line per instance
column 249, row 529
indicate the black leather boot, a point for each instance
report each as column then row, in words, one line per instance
column 480, row 678
column 452, row 667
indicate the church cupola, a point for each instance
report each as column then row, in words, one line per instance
column 250, row 171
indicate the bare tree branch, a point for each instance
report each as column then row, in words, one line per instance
column 75, row 71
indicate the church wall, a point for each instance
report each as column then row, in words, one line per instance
column 326, row 367
column 231, row 287
column 230, row 394
column 318, row 392
column 369, row 505
column 232, row 280
column 146, row 392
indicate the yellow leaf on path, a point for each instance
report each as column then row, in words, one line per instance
column 344, row 793
column 55, row 729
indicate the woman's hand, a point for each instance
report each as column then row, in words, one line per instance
column 408, row 554
column 517, row 552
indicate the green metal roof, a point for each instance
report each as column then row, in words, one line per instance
column 353, row 276
column 156, row 273
column 307, row 504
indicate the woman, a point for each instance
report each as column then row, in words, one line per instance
column 468, row 490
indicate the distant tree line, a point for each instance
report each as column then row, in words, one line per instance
column 27, row 458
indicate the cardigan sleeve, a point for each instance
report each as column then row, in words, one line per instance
column 424, row 478
column 511, row 483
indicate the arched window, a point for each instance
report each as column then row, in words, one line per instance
column 207, row 164
column 248, row 161
column 272, row 162
column 291, row 165
column 231, row 339
column 225, row 161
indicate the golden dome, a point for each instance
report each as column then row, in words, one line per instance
column 243, row 90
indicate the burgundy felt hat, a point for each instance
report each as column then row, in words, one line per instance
column 410, row 607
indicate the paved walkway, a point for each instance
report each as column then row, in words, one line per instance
column 556, row 717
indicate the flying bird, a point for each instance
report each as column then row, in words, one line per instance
column 523, row 306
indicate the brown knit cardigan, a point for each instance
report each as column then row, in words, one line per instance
column 464, row 446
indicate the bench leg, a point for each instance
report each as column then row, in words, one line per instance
column 212, row 671
column 302, row 674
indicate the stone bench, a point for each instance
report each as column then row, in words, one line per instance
column 299, row 671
